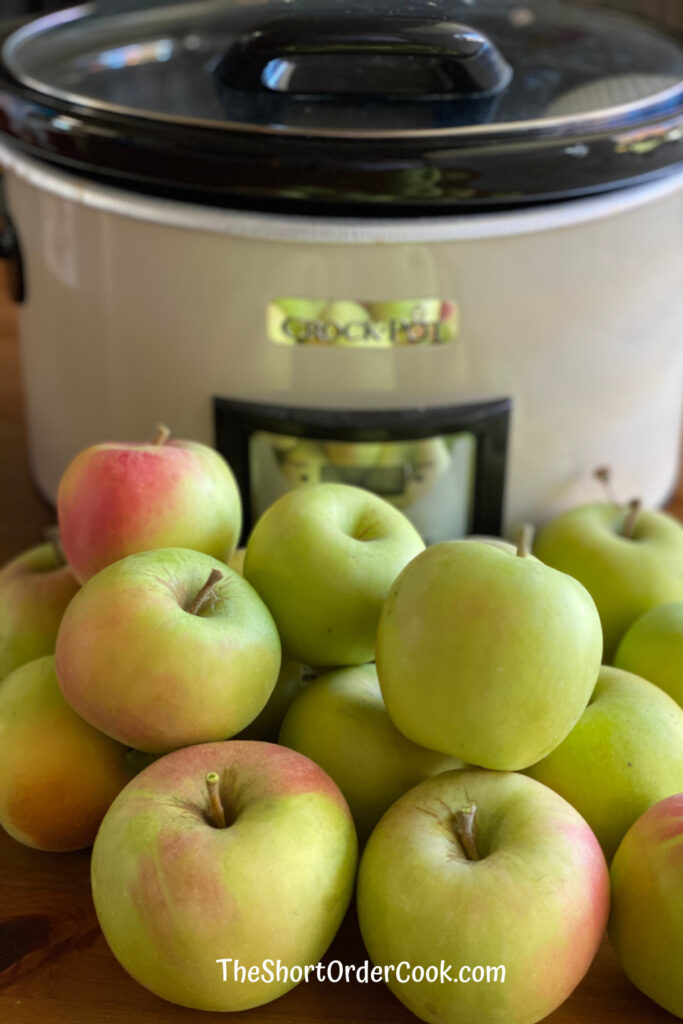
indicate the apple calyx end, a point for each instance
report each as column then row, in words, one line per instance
column 464, row 824
column 206, row 595
column 162, row 435
column 525, row 541
column 216, row 812
column 634, row 509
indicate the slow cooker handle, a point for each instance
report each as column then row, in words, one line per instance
column 393, row 57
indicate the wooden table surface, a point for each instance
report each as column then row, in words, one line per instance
column 54, row 964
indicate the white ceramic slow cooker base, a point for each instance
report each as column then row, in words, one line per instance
column 140, row 309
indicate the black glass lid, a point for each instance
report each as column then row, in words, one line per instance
column 413, row 103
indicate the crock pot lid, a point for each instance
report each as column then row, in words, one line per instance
column 441, row 68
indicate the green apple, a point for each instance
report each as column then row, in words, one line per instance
column 497, row 542
column 119, row 499
column 629, row 562
column 349, row 324
column 394, row 456
column 167, row 648
column 222, row 856
column 429, row 461
column 408, row 322
column 343, row 310
column 411, row 310
column 422, row 464
column 486, row 655
column 624, row 754
column 301, row 311
column 304, row 463
column 294, row 679
column 474, row 869
column 35, row 589
column 58, row 775
column 646, row 920
column 340, row 722
column 360, row 454
column 275, row 321
column 323, row 558
column 281, row 444
column 653, row 648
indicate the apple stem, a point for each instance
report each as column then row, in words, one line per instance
column 206, row 594
column 162, row 435
column 53, row 536
column 465, row 828
column 634, row 509
column 216, row 810
column 525, row 541
column 604, row 475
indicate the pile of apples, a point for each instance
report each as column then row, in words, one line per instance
column 228, row 727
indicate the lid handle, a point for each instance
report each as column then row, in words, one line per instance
column 368, row 56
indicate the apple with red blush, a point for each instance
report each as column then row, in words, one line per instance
column 239, row 851
column 646, row 921
column 117, row 499
column 483, row 868
column 58, row 775
column 168, row 648
column 35, row 590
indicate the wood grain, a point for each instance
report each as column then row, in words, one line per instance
column 54, row 964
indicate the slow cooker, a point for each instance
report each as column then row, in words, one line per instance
column 434, row 249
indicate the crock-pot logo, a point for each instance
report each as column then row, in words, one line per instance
column 355, row 324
